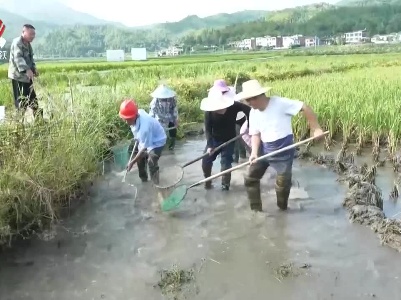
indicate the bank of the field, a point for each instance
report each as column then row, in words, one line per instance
column 43, row 166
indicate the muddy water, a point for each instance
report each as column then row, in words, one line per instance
column 113, row 247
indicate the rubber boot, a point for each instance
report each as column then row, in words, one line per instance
column 283, row 188
column 156, row 178
column 253, row 191
column 225, row 182
column 142, row 169
column 207, row 172
column 236, row 152
column 171, row 144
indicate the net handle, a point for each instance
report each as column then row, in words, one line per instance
column 214, row 151
column 257, row 159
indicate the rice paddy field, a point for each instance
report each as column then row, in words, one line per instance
column 46, row 165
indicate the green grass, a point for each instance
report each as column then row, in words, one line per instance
column 43, row 165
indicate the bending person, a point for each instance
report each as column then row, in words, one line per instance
column 220, row 120
column 151, row 139
column 270, row 127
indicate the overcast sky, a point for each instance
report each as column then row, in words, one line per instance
column 131, row 13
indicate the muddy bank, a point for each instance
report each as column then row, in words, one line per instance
column 364, row 199
column 116, row 246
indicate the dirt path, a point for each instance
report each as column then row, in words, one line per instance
column 115, row 247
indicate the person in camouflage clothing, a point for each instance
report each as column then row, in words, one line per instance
column 22, row 70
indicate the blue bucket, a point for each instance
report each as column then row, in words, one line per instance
column 121, row 155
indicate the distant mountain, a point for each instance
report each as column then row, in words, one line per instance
column 194, row 22
column 15, row 22
column 50, row 11
column 367, row 2
column 298, row 14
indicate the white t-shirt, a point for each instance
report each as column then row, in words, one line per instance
column 274, row 122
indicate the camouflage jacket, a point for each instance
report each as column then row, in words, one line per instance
column 21, row 60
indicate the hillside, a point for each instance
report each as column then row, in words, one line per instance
column 49, row 11
column 193, row 23
column 298, row 14
column 367, row 2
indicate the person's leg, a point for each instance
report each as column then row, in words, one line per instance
column 226, row 163
column 153, row 162
column 252, row 183
column 142, row 164
column 34, row 103
column 21, row 93
column 283, row 166
column 207, row 165
column 237, row 144
column 172, row 135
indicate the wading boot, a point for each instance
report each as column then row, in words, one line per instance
column 156, row 178
column 283, row 188
column 142, row 169
column 253, row 190
column 171, row 145
column 207, row 172
column 225, row 182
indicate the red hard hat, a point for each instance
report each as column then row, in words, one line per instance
column 128, row 109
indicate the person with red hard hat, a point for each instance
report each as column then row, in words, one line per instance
column 151, row 138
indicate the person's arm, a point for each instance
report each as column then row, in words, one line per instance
column 175, row 111
column 208, row 129
column 19, row 59
column 254, row 132
column 34, row 70
column 311, row 117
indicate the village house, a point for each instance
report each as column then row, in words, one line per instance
column 170, row 51
column 356, row 37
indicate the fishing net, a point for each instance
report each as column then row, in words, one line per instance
column 174, row 198
column 168, row 179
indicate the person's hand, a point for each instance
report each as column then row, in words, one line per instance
column 30, row 74
column 209, row 150
column 318, row 132
column 252, row 157
column 130, row 165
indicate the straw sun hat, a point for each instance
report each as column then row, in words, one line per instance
column 163, row 92
column 216, row 100
column 250, row 89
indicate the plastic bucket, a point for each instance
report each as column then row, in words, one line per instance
column 121, row 155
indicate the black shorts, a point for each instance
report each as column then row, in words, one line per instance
column 24, row 95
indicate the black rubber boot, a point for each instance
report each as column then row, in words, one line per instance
column 225, row 182
column 283, row 188
column 171, row 144
column 253, row 191
column 207, row 172
column 142, row 169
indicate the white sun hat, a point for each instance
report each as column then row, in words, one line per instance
column 163, row 92
column 250, row 89
column 216, row 100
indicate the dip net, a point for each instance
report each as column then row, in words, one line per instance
column 168, row 180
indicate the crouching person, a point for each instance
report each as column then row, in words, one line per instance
column 163, row 107
column 270, row 128
column 220, row 119
column 151, row 139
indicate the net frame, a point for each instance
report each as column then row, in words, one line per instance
column 163, row 191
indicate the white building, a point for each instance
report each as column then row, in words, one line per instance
column 355, row 37
column 115, row 55
column 139, row 54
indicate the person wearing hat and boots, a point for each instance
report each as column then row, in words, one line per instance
column 151, row 138
column 270, row 127
column 163, row 107
column 220, row 119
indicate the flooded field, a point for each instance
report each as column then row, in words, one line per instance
column 113, row 247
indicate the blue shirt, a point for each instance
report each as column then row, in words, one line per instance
column 148, row 131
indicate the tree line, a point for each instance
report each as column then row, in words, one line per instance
column 81, row 41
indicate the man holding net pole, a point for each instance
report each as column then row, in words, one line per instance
column 220, row 126
column 270, row 127
column 151, row 139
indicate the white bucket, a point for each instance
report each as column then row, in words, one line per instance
column 2, row 113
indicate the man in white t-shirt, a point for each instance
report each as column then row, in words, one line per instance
column 270, row 128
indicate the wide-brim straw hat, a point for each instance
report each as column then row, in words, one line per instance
column 163, row 92
column 216, row 101
column 250, row 89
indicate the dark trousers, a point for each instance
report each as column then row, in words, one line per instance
column 240, row 149
column 226, row 162
column 149, row 160
column 172, row 133
column 25, row 97
column 282, row 163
